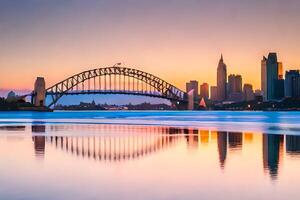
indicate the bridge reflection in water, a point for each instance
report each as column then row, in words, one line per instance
column 117, row 143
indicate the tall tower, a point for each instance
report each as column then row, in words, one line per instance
column 272, row 76
column 221, row 80
column 271, row 73
column 264, row 77
column 39, row 91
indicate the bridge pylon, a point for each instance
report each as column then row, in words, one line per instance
column 39, row 93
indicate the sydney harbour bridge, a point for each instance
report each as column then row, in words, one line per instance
column 111, row 80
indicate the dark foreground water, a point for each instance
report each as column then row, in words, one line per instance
column 150, row 155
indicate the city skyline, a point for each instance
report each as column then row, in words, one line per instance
column 51, row 40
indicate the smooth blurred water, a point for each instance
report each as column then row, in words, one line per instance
column 271, row 122
column 149, row 155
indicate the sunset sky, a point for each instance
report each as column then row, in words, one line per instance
column 174, row 39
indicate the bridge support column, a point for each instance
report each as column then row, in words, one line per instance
column 39, row 92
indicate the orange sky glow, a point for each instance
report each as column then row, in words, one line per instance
column 175, row 40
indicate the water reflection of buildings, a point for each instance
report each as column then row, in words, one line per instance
column 293, row 145
column 191, row 138
column 272, row 153
column 222, row 147
column 235, row 140
column 116, row 143
column 39, row 140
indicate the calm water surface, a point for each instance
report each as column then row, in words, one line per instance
column 150, row 155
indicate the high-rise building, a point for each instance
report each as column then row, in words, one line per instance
column 192, row 85
column 213, row 93
column 248, row 92
column 235, row 91
column 222, row 80
column 292, row 83
column 264, row 77
column 239, row 83
column 269, row 76
column 280, row 70
column 279, row 83
column 279, row 91
column 204, row 91
column 258, row 95
column 231, row 84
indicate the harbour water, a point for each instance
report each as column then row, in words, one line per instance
column 149, row 155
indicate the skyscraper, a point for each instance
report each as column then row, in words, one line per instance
column 269, row 76
column 213, row 93
column 235, row 91
column 204, row 91
column 192, row 85
column 248, row 92
column 264, row 77
column 279, row 89
column 231, row 84
column 221, row 80
column 292, row 83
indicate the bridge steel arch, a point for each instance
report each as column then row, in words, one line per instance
column 162, row 89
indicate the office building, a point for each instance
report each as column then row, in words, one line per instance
column 248, row 92
column 235, row 91
column 192, row 85
column 269, row 69
column 204, row 91
column 213, row 93
column 264, row 77
column 292, row 84
column 222, row 80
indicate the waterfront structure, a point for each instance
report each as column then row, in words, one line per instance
column 112, row 80
column 39, row 92
column 213, row 93
column 269, row 76
column 221, row 80
column 248, row 92
column 192, row 85
column 235, row 91
column 292, row 84
column 204, row 91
